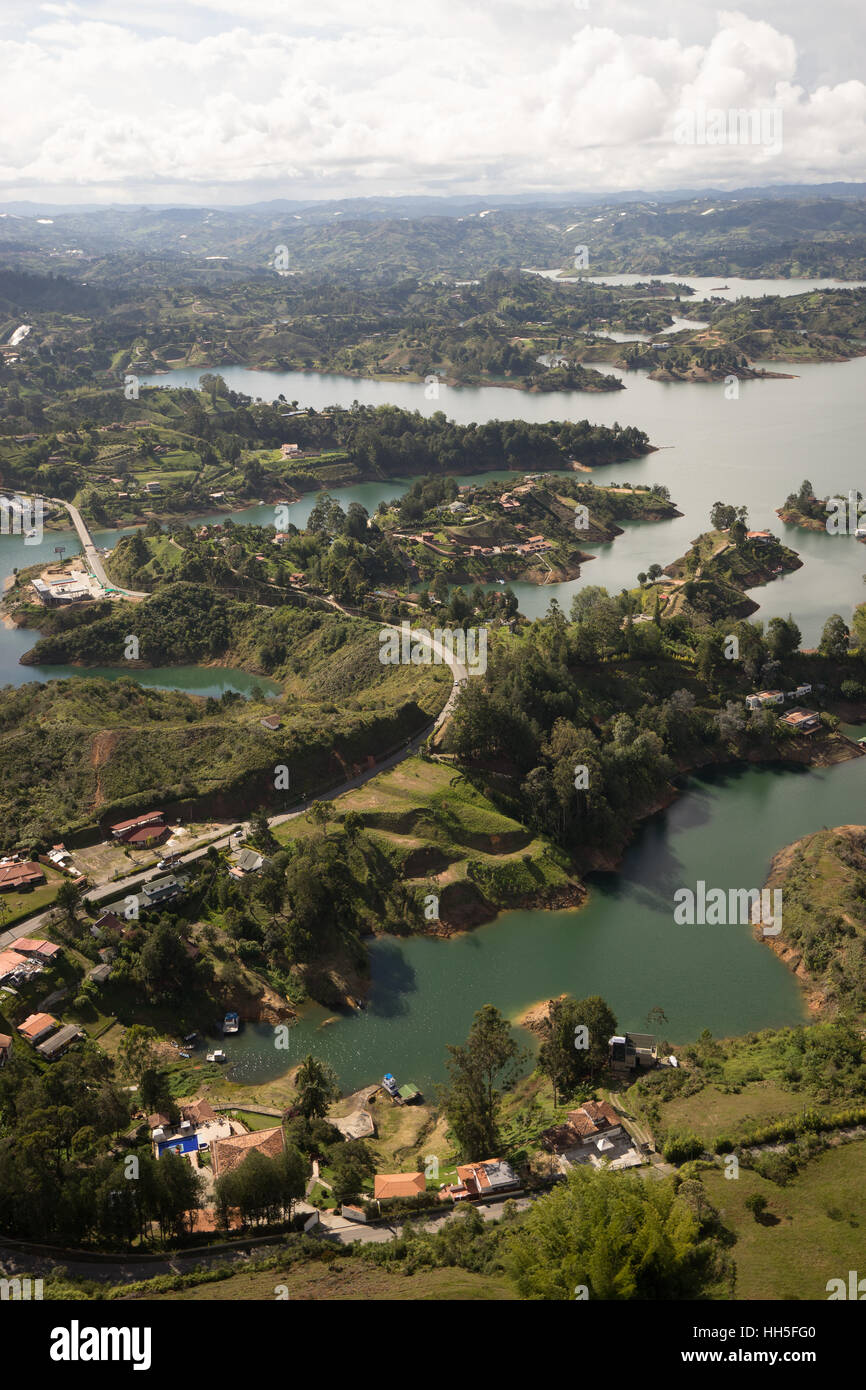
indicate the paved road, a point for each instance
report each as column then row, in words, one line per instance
column 91, row 554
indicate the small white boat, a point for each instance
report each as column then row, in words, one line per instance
column 31, row 534
column 218, row 1056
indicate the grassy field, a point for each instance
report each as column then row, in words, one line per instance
column 813, row 1229
column 447, row 838
column 348, row 1280
column 16, row 907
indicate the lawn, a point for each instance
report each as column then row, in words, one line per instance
column 348, row 1280
column 17, row 907
column 813, row 1229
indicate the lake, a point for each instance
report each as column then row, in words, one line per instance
column 753, row 450
column 623, row 944
column 723, row 829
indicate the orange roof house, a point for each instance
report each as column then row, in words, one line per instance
column 198, row 1112
column 35, row 946
column 19, row 876
column 387, row 1185
column 227, row 1154
column 10, row 961
column 36, row 1026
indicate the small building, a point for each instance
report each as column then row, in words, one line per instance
column 12, row 964
column 59, row 1042
column 386, row 1186
column 227, row 1154
column 248, row 861
column 99, row 974
column 271, row 721
column 802, row 721
column 34, row 946
column 36, row 1027
column 164, row 890
column 198, row 1112
column 760, row 537
column 632, row 1051
column 20, row 877
column 289, row 450
column 488, row 1178
column 765, row 697
column 110, row 924
column 132, row 831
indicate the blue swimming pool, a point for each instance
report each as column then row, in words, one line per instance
column 187, row 1145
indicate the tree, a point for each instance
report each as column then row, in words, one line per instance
column 136, row 1051
column 783, row 638
column 471, row 1101
column 756, row 1203
column 557, row 1054
column 351, row 1163
column 612, row 1234
column 260, row 833
column 317, row 1087
column 834, row 638
column 68, row 898
column 322, row 813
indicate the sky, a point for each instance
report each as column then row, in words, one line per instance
column 234, row 101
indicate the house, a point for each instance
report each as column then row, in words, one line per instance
column 36, row 1027
column 803, row 690
column 631, row 1051
column 760, row 537
column 249, row 861
column 455, row 507
column 389, row 1185
column 227, row 1154
column 11, row 963
column 5, row 1048
column 153, row 487
column 164, row 890
column 802, row 721
column 110, row 923
column 147, row 829
column 35, row 946
column 198, row 1112
column 487, row 1178
column 765, row 697
column 21, row 877
column 60, row 1042
column 289, row 450
column 99, row 974
column 591, row 1122
column 271, row 721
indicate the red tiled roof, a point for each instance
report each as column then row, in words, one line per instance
column 36, row 1024
column 399, row 1184
column 149, row 819
column 10, row 874
column 226, row 1154
column 35, row 944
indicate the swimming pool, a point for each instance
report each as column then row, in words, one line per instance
column 187, row 1145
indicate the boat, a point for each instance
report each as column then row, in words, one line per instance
column 390, row 1084
column 719, row 287
column 217, row 1056
column 191, row 1038
column 31, row 535
column 185, row 1054
column 231, row 1023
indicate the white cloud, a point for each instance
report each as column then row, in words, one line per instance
column 526, row 94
